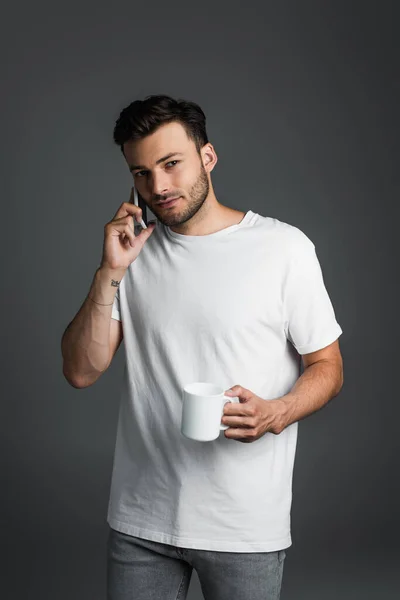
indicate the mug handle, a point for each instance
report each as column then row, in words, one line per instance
column 227, row 399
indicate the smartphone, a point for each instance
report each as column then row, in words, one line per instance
column 147, row 215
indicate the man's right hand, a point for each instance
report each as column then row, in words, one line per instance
column 121, row 246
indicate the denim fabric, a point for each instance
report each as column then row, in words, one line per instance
column 139, row 569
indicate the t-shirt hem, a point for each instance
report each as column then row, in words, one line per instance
column 199, row 544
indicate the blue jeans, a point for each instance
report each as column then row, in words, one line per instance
column 139, row 569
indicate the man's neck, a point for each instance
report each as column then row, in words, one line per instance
column 214, row 218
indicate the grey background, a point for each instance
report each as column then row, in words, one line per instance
column 302, row 108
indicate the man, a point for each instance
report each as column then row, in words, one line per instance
column 208, row 294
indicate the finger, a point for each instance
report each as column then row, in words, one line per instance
column 127, row 208
column 242, row 393
column 140, row 239
column 128, row 237
column 121, row 229
column 240, row 434
column 125, row 225
column 130, row 219
column 241, row 410
column 145, row 234
column 236, row 422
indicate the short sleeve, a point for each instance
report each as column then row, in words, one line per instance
column 116, row 313
column 310, row 320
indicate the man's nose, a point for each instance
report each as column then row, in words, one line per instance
column 159, row 186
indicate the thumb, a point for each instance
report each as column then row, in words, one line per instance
column 240, row 392
column 146, row 233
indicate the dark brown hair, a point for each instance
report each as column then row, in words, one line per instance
column 142, row 117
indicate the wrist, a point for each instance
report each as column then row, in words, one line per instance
column 287, row 409
column 283, row 412
column 106, row 274
column 105, row 285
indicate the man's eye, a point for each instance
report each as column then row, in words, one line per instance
column 139, row 173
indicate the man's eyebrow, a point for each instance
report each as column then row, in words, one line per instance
column 160, row 160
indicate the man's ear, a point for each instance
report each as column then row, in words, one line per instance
column 209, row 157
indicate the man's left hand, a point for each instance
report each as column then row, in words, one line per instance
column 252, row 417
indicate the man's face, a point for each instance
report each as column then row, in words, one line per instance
column 181, row 175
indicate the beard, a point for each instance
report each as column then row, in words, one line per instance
column 197, row 196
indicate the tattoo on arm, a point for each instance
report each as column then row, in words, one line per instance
column 114, row 283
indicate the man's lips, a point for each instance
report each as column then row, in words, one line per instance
column 167, row 201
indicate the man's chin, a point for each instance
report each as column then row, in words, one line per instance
column 170, row 221
column 170, row 216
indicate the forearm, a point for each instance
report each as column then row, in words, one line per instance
column 85, row 345
column 319, row 383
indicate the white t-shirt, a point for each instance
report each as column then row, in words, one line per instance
column 235, row 307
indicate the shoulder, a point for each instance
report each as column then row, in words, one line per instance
column 290, row 240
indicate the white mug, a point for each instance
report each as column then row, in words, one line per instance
column 202, row 411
